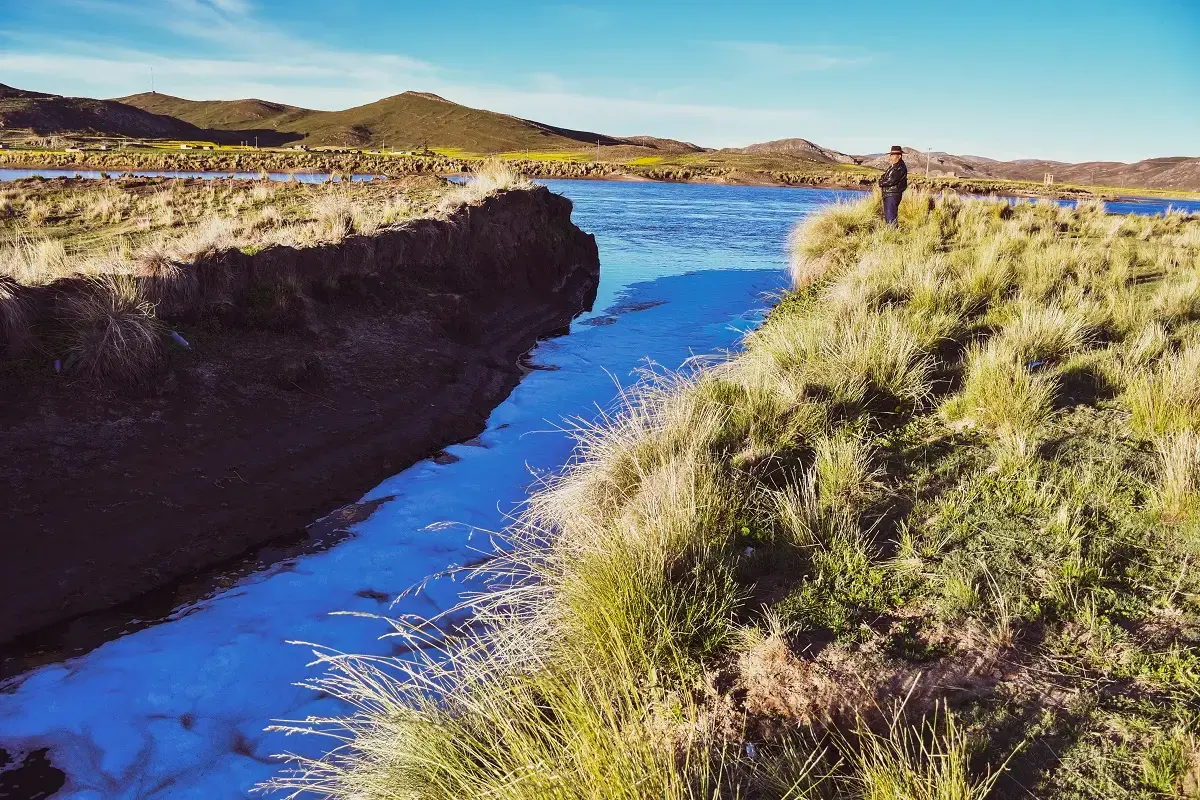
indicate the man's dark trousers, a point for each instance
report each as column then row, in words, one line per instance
column 891, row 208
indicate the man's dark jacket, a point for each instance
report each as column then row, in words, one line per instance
column 894, row 179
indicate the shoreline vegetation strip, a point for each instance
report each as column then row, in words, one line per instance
column 704, row 168
column 932, row 534
column 134, row 244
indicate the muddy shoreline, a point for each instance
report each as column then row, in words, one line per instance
column 403, row 343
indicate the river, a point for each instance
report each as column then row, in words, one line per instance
column 177, row 708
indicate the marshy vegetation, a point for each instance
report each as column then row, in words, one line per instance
column 614, row 162
column 55, row 228
column 933, row 534
column 88, row 268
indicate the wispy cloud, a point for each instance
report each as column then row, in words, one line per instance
column 789, row 59
column 240, row 55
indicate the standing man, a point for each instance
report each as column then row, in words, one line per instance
column 892, row 183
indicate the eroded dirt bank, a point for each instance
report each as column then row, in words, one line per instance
column 313, row 374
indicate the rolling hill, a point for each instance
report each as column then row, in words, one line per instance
column 414, row 119
column 799, row 148
column 1179, row 172
column 217, row 114
column 403, row 121
column 50, row 114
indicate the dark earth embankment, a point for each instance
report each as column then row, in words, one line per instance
column 313, row 374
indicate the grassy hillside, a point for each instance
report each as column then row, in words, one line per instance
column 403, row 122
column 932, row 535
column 47, row 114
column 801, row 148
column 218, row 114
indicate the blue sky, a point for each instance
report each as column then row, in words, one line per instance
column 1003, row 78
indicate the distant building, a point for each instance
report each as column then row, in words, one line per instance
column 74, row 149
column 185, row 147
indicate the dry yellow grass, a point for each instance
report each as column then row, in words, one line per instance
column 135, row 243
column 107, row 227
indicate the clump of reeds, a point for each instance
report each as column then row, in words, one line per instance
column 491, row 176
column 35, row 261
column 16, row 318
column 112, row 334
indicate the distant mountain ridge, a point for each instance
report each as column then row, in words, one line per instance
column 414, row 119
column 800, row 148
column 1179, row 172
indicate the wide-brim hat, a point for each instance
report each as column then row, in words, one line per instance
column 896, row 150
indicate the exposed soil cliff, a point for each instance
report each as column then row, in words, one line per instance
column 312, row 374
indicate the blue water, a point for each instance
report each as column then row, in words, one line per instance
column 1142, row 206
column 648, row 231
column 178, row 709
column 1150, row 205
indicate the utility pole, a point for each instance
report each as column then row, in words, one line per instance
column 255, row 142
column 926, row 165
column 597, row 151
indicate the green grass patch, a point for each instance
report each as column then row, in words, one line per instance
column 957, row 468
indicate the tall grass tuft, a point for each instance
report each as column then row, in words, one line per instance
column 1178, row 493
column 493, row 175
column 334, row 215
column 35, row 261
column 1166, row 400
column 929, row 761
column 16, row 318
column 827, row 241
column 1002, row 396
column 112, row 333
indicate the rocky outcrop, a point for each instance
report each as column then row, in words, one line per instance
column 312, row 374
